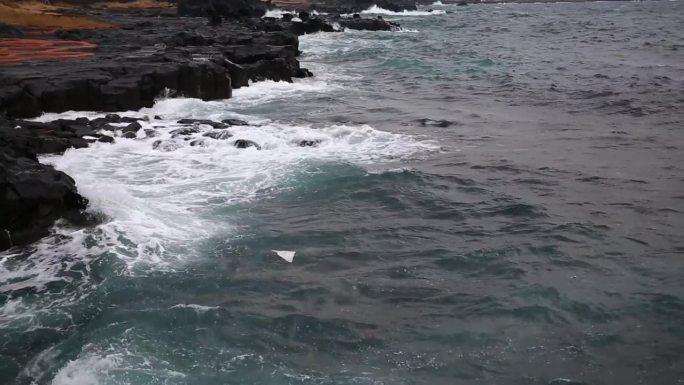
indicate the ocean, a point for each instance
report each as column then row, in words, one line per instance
column 493, row 195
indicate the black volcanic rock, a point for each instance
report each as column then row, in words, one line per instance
column 132, row 128
column 369, row 24
column 32, row 195
column 222, row 8
column 7, row 30
column 30, row 91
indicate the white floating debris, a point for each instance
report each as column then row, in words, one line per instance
column 284, row 254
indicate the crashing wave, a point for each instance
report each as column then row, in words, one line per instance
column 375, row 10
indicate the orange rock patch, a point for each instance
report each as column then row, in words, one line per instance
column 14, row 51
column 29, row 14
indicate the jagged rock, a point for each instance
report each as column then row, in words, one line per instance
column 130, row 135
column 106, row 139
column 287, row 17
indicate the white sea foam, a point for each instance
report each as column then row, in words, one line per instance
column 195, row 307
column 87, row 370
column 159, row 206
column 101, row 365
column 437, row 3
column 155, row 200
column 375, row 10
column 276, row 12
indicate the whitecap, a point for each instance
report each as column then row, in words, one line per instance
column 375, row 10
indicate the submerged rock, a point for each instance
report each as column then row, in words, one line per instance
column 130, row 135
column 106, row 139
column 218, row 135
column 435, row 123
column 235, row 122
column 184, row 131
column 208, row 122
column 244, row 143
column 309, row 143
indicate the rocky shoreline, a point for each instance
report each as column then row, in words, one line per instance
column 204, row 49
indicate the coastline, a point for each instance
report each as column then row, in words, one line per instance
column 197, row 52
column 122, row 58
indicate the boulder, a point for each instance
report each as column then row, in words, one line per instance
column 244, row 143
column 132, row 128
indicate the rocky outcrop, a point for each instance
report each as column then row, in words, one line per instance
column 127, row 68
column 183, row 56
column 113, row 86
column 32, row 195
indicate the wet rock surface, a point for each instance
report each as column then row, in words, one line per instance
column 33, row 195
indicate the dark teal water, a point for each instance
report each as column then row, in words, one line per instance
column 535, row 240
